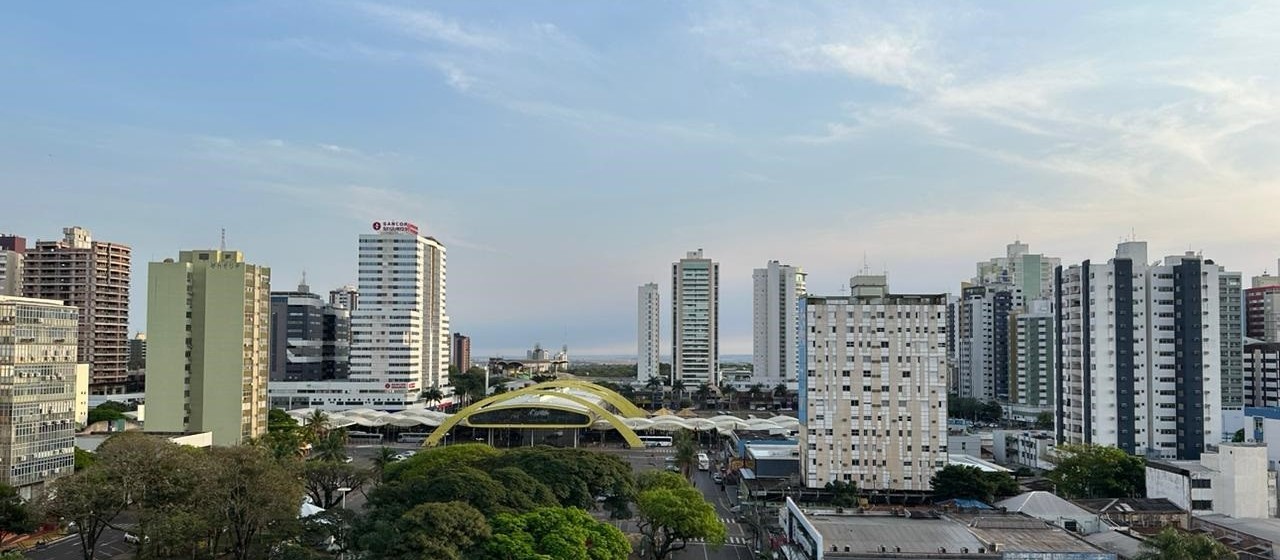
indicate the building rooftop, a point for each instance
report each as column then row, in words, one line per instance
column 1264, row 529
column 1025, row 534
column 1180, row 467
column 771, row 451
column 971, row 461
column 1117, row 543
column 1128, row 505
column 1043, row 505
column 867, row 533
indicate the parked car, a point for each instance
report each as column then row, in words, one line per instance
column 717, row 478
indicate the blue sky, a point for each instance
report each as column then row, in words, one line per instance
column 567, row 152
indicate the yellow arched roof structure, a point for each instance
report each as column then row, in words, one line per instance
column 569, row 394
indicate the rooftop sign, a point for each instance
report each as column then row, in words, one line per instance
column 407, row 227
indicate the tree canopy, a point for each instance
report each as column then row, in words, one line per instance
column 1173, row 544
column 671, row 512
column 554, row 534
column 965, row 482
column 1095, row 471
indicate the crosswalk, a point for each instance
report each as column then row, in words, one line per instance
column 727, row 540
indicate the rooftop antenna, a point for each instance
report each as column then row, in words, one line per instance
column 222, row 244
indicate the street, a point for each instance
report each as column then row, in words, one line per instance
column 110, row 545
column 738, row 537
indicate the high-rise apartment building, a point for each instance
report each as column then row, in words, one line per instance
column 138, row 352
column 346, row 296
column 460, row 352
column 1140, row 367
column 1031, row 361
column 776, row 324
column 1262, row 308
column 94, row 277
column 13, row 252
column 980, row 324
column 874, row 394
column 647, row 333
column 310, row 340
column 400, row 329
column 37, row 392
column 982, row 339
column 1231, row 338
column 1029, row 275
column 695, row 319
column 208, row 345
column 1262, row 374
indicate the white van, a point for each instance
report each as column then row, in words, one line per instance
column 704, row 462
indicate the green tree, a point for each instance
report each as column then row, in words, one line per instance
column 554, row 534
column 283, row 445
column 90, row 500
column 576, row 476
column 960, row 481
column 1044, row 421
column 155, row 475
column 424, row 462
column 1238, row 437
column 16, row 516
column 315, row 427
column 437, row 530
column 729, row 393
column 1095, row 471
column 432, row 395
column 107, row 411
column 686, row 453
column 678, row 387
column 1173, row 544
column 671, row 511
column 322, row 479
column 279, row 421
column 252, row 495
column 469, row 386
column 703, row 393
column 84, row 459
column 843, row 494
column 383, row 459
column 331, row 446
column 755, row 392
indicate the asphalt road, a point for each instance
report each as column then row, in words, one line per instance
column 739, row 537
column 110, row 545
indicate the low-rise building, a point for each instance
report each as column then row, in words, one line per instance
column 1024, row 448
column 1055, row 511
column 1231, row 479
column 1143, row 514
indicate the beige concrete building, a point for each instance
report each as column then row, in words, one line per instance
column 94, row 277
column 13, row 251
column 208, row 345
column 874, row 396
column 37, row 392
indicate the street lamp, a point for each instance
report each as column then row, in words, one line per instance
column 343, row 490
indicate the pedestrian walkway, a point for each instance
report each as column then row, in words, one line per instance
column 729, row 541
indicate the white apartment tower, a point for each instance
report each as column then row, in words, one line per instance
column 695, row 319
column 776, row 325
column 1139, row 345
column 1029, row 274
column 874, row 393
column 400, row 329
column 647, row 333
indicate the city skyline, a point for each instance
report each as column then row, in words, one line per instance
column 809, row 134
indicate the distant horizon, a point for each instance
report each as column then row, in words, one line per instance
column 566, row 153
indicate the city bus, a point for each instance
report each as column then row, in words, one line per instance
column 412, row 438
column 364, row 438
column 656, row 441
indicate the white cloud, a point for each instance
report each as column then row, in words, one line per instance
column 430, row 26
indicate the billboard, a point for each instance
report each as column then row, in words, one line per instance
column 390, row 226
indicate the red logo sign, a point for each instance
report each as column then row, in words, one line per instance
column 377, row 226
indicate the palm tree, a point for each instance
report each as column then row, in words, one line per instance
column 686, row 452
column 703, row 393
column 432, row 395
column 316, row 426
column 1172, row 544
column 332, row 447
column 385, row 456
column 653, row 382
column 755, row 392
column 780, row 392
column 677, row 387
column 728, row 393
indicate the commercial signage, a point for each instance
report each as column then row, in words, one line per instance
column 407, row 227
column 801, row 534
column 401, row 385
